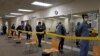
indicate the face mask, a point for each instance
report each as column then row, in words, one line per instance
column 85, row 19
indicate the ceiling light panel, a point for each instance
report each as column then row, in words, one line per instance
column 9, row 16
column 25, row 10
column 16, row 13
column 41, row 4
column 76, row 15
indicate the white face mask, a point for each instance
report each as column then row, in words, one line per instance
column 85, row 19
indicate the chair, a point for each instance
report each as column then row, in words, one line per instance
column 54, row 47
column 96, row 51
column 32, row 42
column 9, row 35
column 14, row 34
column 18, row 39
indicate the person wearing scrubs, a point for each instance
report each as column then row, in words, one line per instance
column 84, row 30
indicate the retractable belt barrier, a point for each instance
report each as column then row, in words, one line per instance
column 95, row 51
column 66, row 37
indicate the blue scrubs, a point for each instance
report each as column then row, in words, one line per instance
column 84, row 44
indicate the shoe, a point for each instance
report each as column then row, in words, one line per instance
column 39, row 46
column 78, row 46
column 61, row 51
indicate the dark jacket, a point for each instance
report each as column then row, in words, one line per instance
column 20, row 27
column 28, row 28
column 77, row 31
column 39, row 28
column 4, row 28
column 12, row 27
column 60, row 29
column 44, row 27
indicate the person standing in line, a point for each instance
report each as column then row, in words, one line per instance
column 12, row 28
column 39, row 28
column 60, row 29
column 77, row 34
column 44, row 28
column 20, row 27
column 84, row 30
column 28, row 28
column 4, row 29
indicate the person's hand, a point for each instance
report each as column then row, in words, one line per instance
column 44, row 32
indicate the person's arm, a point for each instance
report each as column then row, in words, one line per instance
column 30, row 28
column 14, row 27
column 64, row 30
column 18, row 28
column 37, row 28
column 44, row 27
column 80, row 28
column 25, row 28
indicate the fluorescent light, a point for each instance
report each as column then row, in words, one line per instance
column 9, row 16
column 16, row 13
column 76, row 15
column 25, row 10
column 41, row 4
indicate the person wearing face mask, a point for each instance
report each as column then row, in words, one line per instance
column 39, row 28
column 28, row 28
column 84, row 30
column 44, row 28
column 60, row 29
column 20, row 27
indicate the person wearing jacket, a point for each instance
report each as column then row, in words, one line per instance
column 28, row 28
column 84, row 30
column 12, row 28
column 60, row 29
column 39, row 28
column 77, row 34
column 20, row 27
column 44, row 28
column 4, row 29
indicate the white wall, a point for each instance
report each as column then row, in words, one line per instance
column 65, row 9
column 74, row 7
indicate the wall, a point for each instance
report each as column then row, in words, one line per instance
column 0, row 24
column 65, row 9
column 73, row 23
column 76, row 6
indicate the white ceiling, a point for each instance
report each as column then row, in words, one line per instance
column 8, row 6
